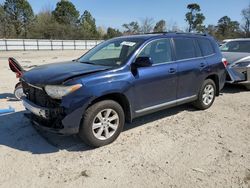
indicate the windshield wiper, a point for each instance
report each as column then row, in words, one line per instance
column 86, row 62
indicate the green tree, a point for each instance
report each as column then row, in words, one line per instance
column 246, row 21
column 194, row 17
column 131, row 28
column 66, row 13
column 88, row 26
column 46, row 27
column 20, row 14
column 160, row 26
column 6, row 29
column 111, row 33
column 211, row 30
column 227, row 28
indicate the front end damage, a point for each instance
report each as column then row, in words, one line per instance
column 46, row 113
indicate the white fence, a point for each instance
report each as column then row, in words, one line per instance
column 34, row 44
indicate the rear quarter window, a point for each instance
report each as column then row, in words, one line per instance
column 185, row 48
column 206, row 47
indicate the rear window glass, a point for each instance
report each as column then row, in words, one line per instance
column 185, row 48
column 206, row 47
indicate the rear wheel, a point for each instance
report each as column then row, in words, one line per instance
column 206, row 95
column 102, row 123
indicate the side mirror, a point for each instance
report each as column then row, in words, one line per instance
column 143, row 62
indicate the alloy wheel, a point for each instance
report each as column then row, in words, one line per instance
column 105, row 124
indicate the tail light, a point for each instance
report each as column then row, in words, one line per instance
column 225, row 62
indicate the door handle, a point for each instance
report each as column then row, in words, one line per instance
column 172, row 70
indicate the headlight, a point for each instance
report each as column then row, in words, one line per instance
column 57, row 92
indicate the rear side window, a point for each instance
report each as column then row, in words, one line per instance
column 206, row 47
column 185, row 48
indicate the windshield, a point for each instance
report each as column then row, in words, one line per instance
column 236, row 46
column 114, row 52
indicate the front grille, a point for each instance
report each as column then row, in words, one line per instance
column 39, row 97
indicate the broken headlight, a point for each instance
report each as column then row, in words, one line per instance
column 57, row 92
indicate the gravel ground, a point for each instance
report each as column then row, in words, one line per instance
column 178, row 147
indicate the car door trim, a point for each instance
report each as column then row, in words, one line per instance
column 163, row 105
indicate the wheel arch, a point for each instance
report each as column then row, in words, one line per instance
column 120, row 99
column 215, row 78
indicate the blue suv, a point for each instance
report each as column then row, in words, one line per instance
column 122, row 79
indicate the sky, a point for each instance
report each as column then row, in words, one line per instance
column 114, row 13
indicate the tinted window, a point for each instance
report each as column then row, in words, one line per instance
column 159, row 51
column 185, row 48
column 236, row 46
column 206, row 47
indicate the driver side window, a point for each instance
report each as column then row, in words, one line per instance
column 159, row 51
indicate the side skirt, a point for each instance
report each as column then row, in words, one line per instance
column 163, row 106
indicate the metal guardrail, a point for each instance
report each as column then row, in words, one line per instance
column 37, row 44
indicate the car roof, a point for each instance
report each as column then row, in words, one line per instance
column 164, row 34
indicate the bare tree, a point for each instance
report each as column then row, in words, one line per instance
column 246, row 21
column 131, row 28
column 147, row 25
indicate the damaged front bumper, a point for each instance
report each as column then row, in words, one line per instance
column 50, row 119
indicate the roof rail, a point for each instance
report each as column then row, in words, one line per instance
column 201, row 34
column 184, row 33
column 157, row 33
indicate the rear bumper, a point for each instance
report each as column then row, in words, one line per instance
column 52, row 120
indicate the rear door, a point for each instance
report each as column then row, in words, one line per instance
column 191, row 67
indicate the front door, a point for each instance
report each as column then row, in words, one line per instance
column 155, row 86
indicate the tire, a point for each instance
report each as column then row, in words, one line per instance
column 97, row 129
column 18, row 92
column 206, row 95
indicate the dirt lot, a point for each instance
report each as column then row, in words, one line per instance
column 178, row 147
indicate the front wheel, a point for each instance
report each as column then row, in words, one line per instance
column 206, row 95
column 102, row 123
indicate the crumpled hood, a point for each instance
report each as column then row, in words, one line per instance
column 57, row 73
column 235, row 57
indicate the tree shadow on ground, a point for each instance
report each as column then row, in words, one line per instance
column 17, row 132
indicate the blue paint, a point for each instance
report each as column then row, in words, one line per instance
column 5, row 111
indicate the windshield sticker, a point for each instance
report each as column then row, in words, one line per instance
column 127, row 43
